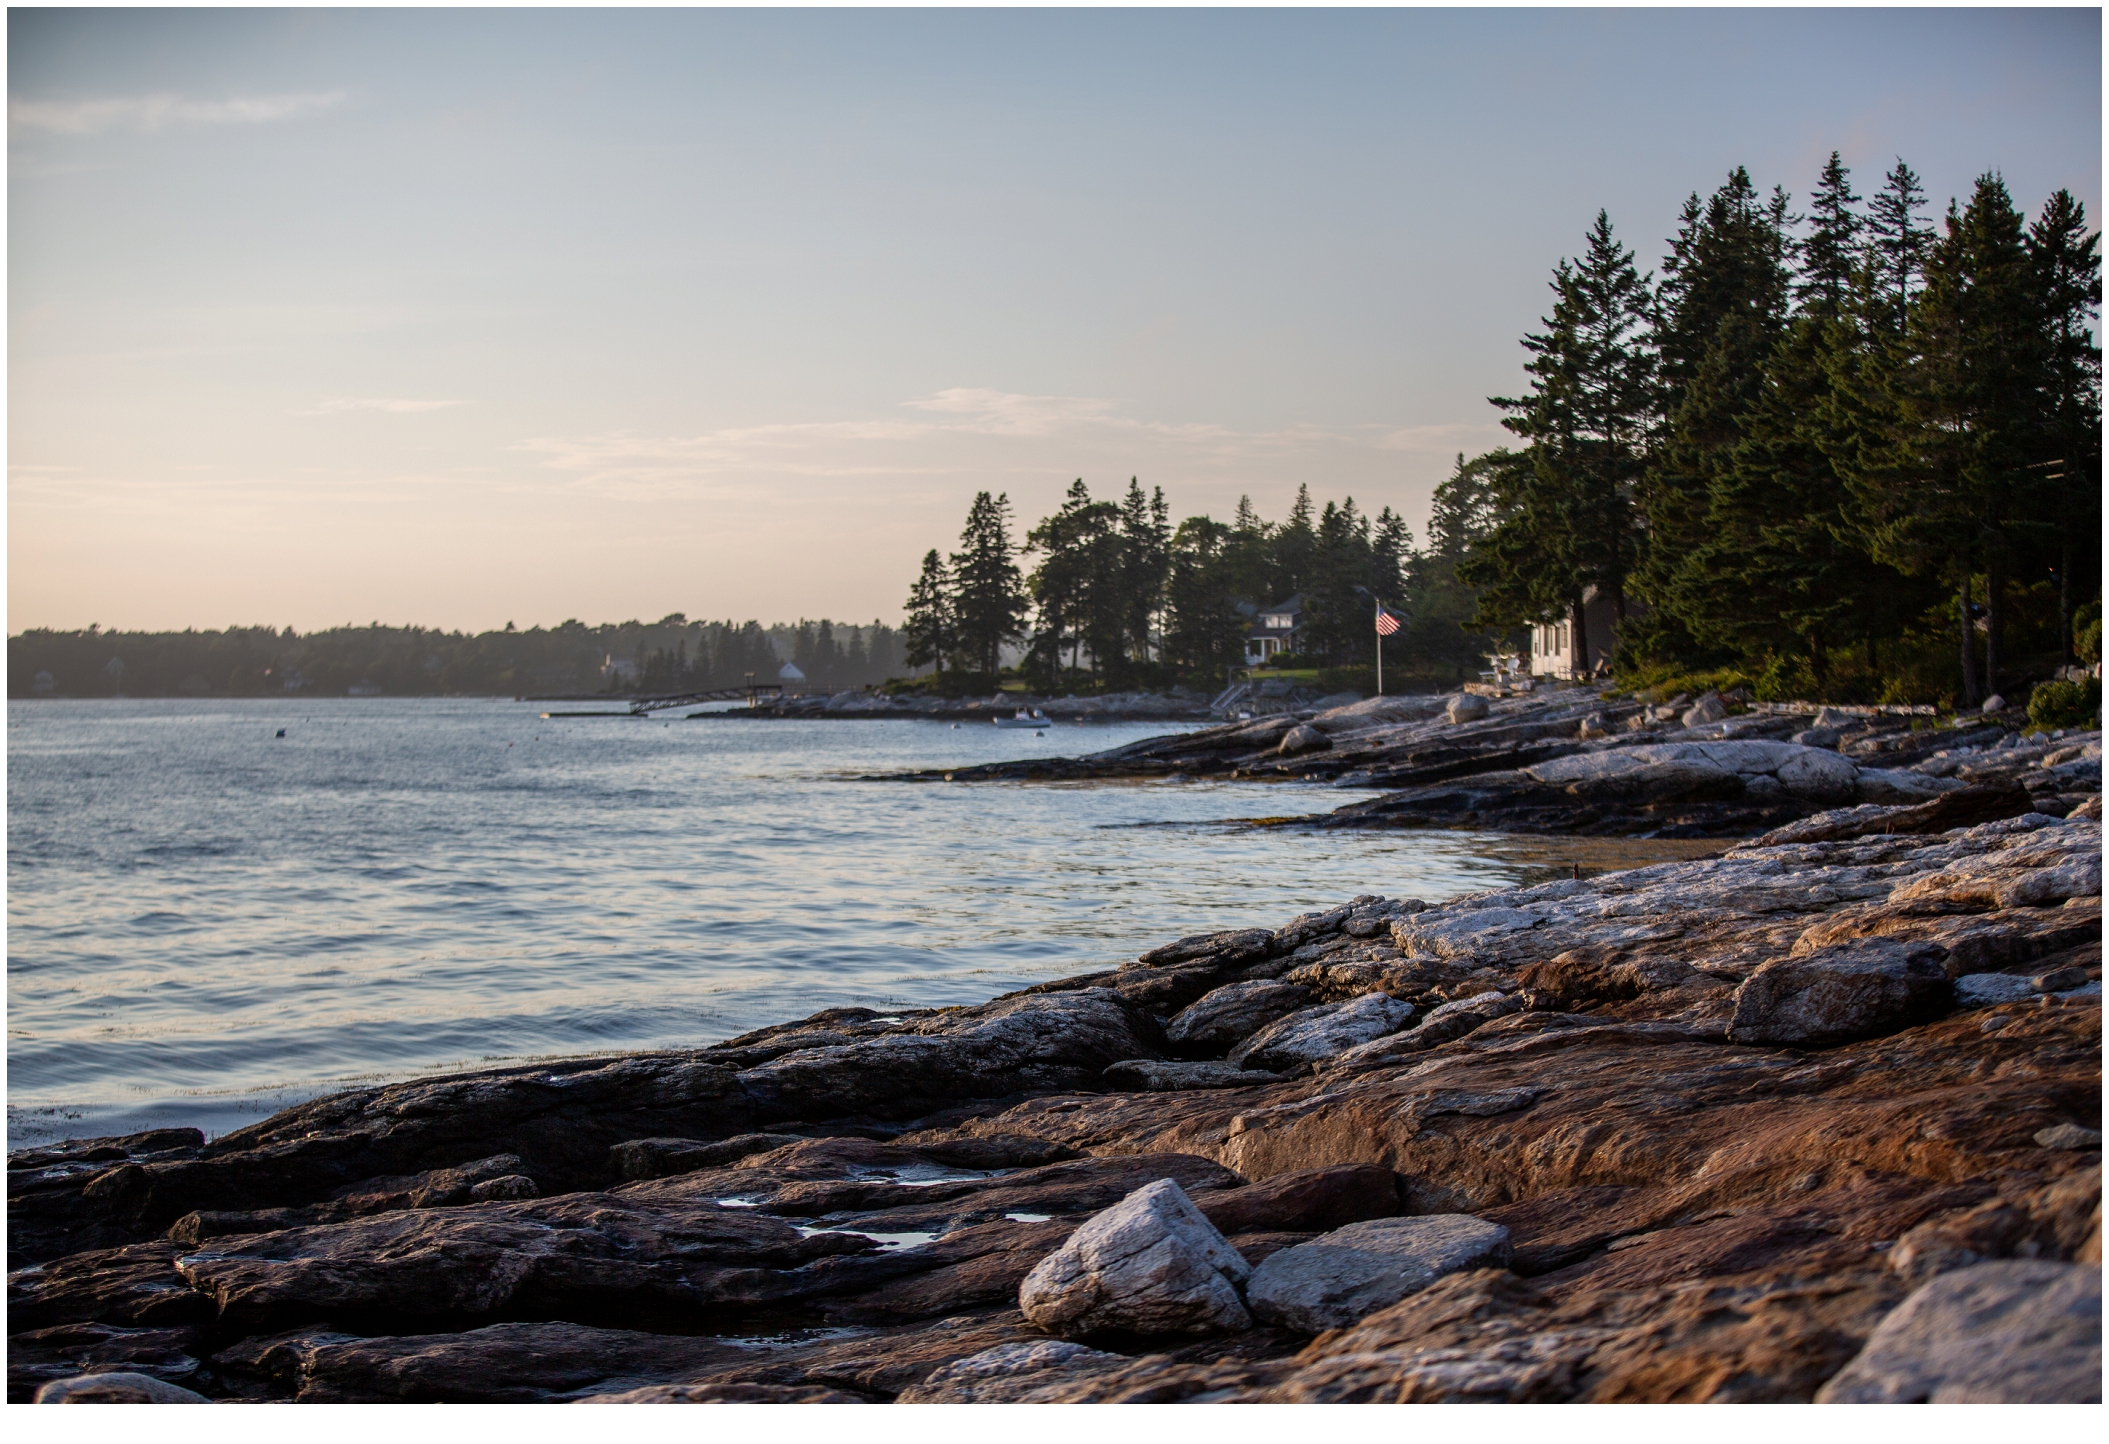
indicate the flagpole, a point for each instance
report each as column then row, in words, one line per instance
column 1380, row 651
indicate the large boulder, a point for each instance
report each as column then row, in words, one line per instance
column 1303, row 738
column 1318, row 1033
column 2019, row 1331
column 1151, row 1264
column 1229, row 1015
column 1344, row 1276
column 1857, row 989
column 1467, row 707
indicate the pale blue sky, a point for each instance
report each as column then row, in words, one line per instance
column 462, row 317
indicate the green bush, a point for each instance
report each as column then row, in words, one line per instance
column 2087, row 634
column 2065, row 704
column 1784, row 679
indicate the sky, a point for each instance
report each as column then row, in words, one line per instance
column 457, row 318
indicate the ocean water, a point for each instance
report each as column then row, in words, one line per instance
column 207, row 922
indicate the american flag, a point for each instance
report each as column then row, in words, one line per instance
column 1387, row 620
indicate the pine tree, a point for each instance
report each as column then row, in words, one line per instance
column 1077, row 583
column 1724, row 308
column 1831, row 251
column 1942, row 480
column 1897, row 248
column 988, row 596
column 927, row 628
column 1204, row 630
column 1146, row 537
column 2067, row 505
column 1780, row 566
column 1587, row 418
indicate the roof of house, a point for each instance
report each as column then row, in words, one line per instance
column 1292, row 606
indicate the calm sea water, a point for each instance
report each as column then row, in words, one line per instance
column 207, row 922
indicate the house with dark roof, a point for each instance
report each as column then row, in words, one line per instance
column 1275, row 630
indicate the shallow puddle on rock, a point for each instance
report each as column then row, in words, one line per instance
column 883, row 1240
column 1548, row 859
column 796, row 1338
column 926, row 1175
column 1028, row 1217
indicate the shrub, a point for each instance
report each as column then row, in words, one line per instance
column 2065, row 704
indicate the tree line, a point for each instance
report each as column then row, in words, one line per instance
column 672, row 654
column 1847, row 451
column 1117, row 596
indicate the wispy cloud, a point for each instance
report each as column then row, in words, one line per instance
column 147, row 113
column 336, row 405
column 1005, row 413
column 962, row 429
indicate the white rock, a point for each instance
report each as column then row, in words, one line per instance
column 1318, row 1033
column 1467, row 707
column 1708, row 708
column 1989, row 990
column 1344, row 1276
column 1151, row 1264
column 1994, row 703
column 2019, row 1331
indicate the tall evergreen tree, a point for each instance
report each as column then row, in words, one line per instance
column 1146, row 535
column 1897, row 248
column 988, row 595
column 1961, row 425
column 1780, row 565
column 1724, row 306
column 2067, row 504
column 1587, row 419
column 1204, row 630
column 927, row 630
column 1077, row 583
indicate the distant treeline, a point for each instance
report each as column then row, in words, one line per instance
column 671, row 654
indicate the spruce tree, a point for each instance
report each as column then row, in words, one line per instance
column 988, row 595
column 1587, row 418
column 1724, row 306
column 926, row 631
column 1897, row 247
column 2066, row 506
column 1943, row 479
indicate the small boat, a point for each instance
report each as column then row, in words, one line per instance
column 1035, row 719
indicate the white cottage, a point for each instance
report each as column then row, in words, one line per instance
column 1553, row 652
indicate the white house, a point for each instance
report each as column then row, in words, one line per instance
column 1552, row 649
column 1275, row 630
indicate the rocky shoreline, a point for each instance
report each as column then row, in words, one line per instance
column 1816, row 1118
column 1575, row 761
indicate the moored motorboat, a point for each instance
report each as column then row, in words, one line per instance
column 1035, row 719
